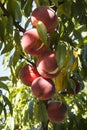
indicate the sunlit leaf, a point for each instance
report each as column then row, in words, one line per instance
column 42, row 32
column 61, row 80
column 61, row 49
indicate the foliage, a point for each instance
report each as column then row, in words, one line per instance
column 19, row 109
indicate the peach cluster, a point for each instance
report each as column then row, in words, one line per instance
column 39, row 77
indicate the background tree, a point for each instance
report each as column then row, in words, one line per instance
column 19, row 108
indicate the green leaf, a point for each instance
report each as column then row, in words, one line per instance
column 79, row 105
column 5, row 112
column 14, row 78
column 1, row 93
column 4, row 86
column 8, row 47
column 26, row 117
column 43, row 112
column 27, row 23
column 17, row 38
column 1, row 108
column 10, row 25
column 61, row 54
column 1, row 30
column 84, row 56
column 4, row 78
column 57, row 126
column 7, row 102
column 65, row 11
column 31, row 104
column 42, row 31
column 40, row 113
column 14, row 9
column 54, row 39
column 55, row 2
column 28, row 7
column 15, row 57
column 18, row 68
column 42, row 2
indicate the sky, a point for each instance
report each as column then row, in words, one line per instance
column 3, row 72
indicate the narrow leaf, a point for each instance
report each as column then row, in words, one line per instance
column 42, row 31
column 4, row 78
column 4, row 86
column 1, row 30
column 6, row 100
column 43, row 113
column 1, row 108
column 10, row 25
column 16, row 11
column 31, row 104
column 61, row 54
column 28, row 7
column 8, row 47
column 5, row 112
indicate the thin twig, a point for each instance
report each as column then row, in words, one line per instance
column 30, row 62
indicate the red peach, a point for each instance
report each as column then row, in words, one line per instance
column 49, row 74
column 31, row 43
column 45, row 15
column 47, row 65
column 27, row 74
column 77, row 87
column 56, row 111
column 43, row 88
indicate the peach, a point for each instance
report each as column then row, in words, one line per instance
column 77, row 87
column 43, row 88
column 47, row 65
column 45, row 15
column 31, row 43
column 56, row 111
column 27, row 74
column 75, row 90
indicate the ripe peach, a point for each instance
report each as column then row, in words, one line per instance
column 31, row 43
column 47, row 65
column 45, row 15
column 27, row 74
column 77, row 87
column 56, row 111
column 43, row 88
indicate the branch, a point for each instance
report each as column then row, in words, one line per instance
column 18, row 26
column 6, row 13
column 22, row 56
